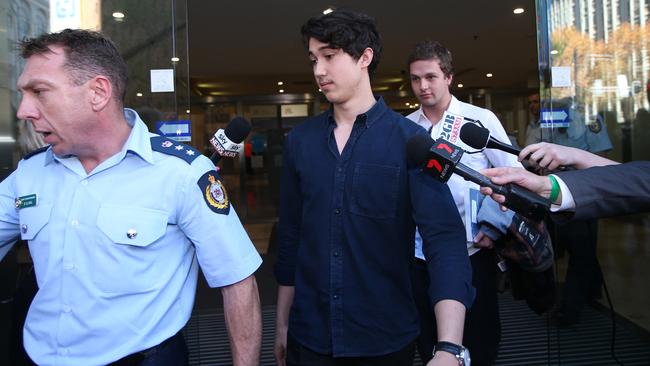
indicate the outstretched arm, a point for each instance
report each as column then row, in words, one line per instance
column 551, row 156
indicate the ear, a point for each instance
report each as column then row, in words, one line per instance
column 101, row 92
column 450, row 78
column 366, row 57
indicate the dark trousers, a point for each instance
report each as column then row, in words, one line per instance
column 482, row 330
column 299, row 355
column 172, row 352
column 583, row 278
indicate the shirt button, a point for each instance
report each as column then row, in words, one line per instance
column 340, row 169
column 63, row 351
column 66, row 309
column 68, row 266
column 337, row 211
column 335, row 297
column 84, row 182
column 74, row 222
column 336, row 254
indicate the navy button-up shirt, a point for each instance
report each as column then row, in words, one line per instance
column 347, row 222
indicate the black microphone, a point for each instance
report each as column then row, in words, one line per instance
column 228, row 142
column 441, row 159
column 479, row 137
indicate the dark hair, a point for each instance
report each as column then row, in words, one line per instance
column 88, row 54
column 348, row 30
column 432, row 50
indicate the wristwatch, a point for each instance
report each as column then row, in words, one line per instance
column 461, row 353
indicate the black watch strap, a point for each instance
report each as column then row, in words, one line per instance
column 454, row 349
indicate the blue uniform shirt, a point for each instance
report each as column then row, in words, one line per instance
column 346, row 235
column 115, row 251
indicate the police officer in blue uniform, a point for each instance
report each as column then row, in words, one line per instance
column 117, row 220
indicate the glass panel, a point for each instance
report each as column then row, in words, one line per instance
column 594, row 74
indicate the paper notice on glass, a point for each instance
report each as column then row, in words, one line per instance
column 162, row 80
column 473, row 200
column 561, row 76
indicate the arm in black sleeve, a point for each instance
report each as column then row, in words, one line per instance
column 609, row 190
column 443, row 237
column 290, row 218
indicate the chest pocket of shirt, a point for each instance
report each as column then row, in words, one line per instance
column 33, row 228
column 126, row 262
column 374, row 191
column 132, row 225
column 32, row 220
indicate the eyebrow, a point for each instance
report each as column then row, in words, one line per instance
column 321, row 48
column 31, row 84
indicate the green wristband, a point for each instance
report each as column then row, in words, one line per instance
column 555, row 188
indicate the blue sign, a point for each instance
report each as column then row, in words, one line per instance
column 176, row 130
column 554, row 118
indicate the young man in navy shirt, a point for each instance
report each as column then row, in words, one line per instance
column 349, row 205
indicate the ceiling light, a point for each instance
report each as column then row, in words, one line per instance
column 460, row 85
column 118, row 15
column 555, row 52
column 138, row 94
column 281, row 90
column 187, row 111
column 327, row 11
column 488, row 75
column 175, row 59
column 416, row 104
column 518, row 11
column 407, row 103
column 320, row 90
column 280, row 83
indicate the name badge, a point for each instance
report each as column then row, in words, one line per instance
column 26, row 201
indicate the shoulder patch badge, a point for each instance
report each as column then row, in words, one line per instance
column 214, row 193
column 171, row 147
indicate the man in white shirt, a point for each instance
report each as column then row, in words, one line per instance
column 431, row 72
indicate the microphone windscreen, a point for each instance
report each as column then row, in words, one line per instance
column 474, row 135
column 417, row 148
column 237, row 130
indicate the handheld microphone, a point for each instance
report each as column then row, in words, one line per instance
column 441, row 159
column 228, row 142
column 479, row 137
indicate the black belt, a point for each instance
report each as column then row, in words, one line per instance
column 137, row 357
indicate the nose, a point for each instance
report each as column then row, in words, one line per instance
column 27, row 110
column 319, row 69
column 423, row 85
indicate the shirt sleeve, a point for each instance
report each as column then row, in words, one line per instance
column 568, row 203
column 206, row 216
column 290, row 218
column 443, row 234
column 9, row 222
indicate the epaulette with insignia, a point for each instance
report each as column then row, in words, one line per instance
column 171, row 147
column 36, row 152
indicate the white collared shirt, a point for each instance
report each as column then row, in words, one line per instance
column 458, row 186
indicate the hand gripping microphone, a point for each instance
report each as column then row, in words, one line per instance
column 479, row 137
column 228, row 142
column 441, row 159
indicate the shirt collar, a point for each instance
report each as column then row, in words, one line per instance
column 422, row 120
column 369, row 117
column 138, row 142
